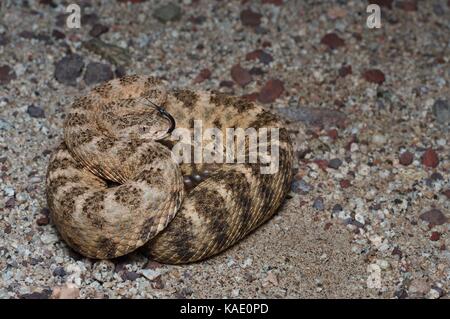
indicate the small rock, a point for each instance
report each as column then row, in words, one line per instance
column 168, row 12
column 59, row 272
column 158, row 283
column 151, row 274
column 332, row 40
column 374, row 76
column 430, row 158
column 406, row 158
column 35, row 111
column 6, row 74
column 318, row 204
column 434, row 216
column 271, row 91
column 68, row 69
column 272, row 278
column 345, row 70
column 98, row 29
column 153, row 265
column 345, row 183
column 441, row 110
column 435, row 236
column 333, row 134
column 10, row 203
column 90, row 18
column 250, row 18
column 97, row 73
column 58, row 34
column 130, row 275
column 68, row 291
column 240, row 75
column 202, row 76
column 300, row 186
column 42, row 221
column 335, row 163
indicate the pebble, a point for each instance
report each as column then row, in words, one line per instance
column 250, row 18
column 68, row 69
column 151, row 274
column 35, row 111
column 130, row 275
column 240, row 75
column 4, row 39
column 419, row 286
column 318, row 204
column 406, row 158
column 168, row 12
column 441, row 110
column 335, row 163
column 202, row 76
column 97, row 73
column 68, row 291
column 332, row 40
column 345, row 183
column 271, row 91
column 435, row 236
column 374, row 76
column 434, row 216
column 42, row 221
column 59, row 272
column 6, row 74
column 430, row 158
column 345, row 70
column 10, row 203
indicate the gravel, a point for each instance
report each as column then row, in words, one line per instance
column 368, row 214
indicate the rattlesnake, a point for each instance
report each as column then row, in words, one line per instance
column 112, row 185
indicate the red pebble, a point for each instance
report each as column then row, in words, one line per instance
column 435, row 236
column 333, row 134
column 430, row 158
column 345, row 183
column 406, row 158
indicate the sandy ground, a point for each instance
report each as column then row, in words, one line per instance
column 368, row 215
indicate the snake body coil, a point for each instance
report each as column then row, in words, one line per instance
column 113, row 186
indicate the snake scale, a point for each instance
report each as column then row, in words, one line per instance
column 113, row 187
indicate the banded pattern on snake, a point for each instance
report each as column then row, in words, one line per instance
column 113, row 186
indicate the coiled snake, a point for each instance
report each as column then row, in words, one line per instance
column 113, row 186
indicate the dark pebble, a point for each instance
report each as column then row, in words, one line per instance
column 318, row 204
column 120, row 71
column 6, row 74
column 430, row 158
column 434, row 216
column 406, row 158
column 45, row 211
column 240, row 75
column 10, row 203
column 271, row 91
column 256, row 71
column 59, row 272
column 332, row 40
column 90, row 18
column 250, row 18
column 130, row 275
column 35, row 111
column 374, row 76
column 42, row 221
column 335, row 163
column 58, row 34
column 98, row 29
column 228, row 84
column 337, row 208
column 97, row 73
column 68, row 69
